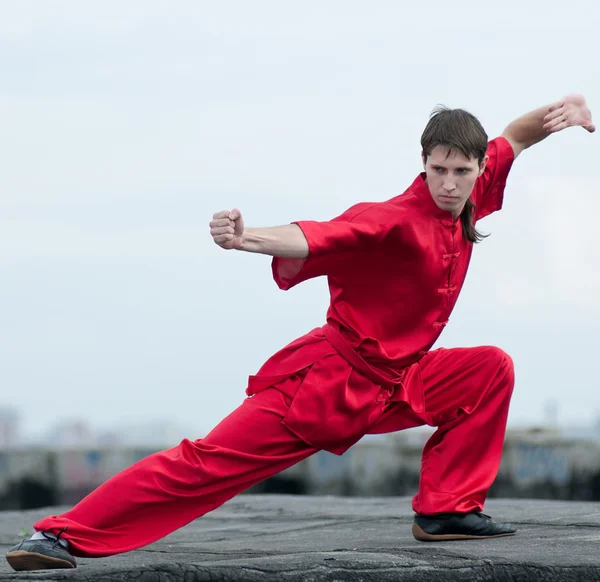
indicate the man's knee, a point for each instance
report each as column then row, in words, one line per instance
column 500, row 360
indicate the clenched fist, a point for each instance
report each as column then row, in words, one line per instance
column 227, row 228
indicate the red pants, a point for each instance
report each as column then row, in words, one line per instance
column 467, row 393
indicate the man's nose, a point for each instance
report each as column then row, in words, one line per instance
column 449, row 186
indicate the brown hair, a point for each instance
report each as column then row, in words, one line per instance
column 458, row 130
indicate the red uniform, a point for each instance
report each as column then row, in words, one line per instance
column 395, row 270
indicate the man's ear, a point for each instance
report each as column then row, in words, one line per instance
column 423, row 159
column 483, row 165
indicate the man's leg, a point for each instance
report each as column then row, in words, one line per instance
column 467, row 394
column 167, row 490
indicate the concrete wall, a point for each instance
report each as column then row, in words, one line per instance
column 533, row 465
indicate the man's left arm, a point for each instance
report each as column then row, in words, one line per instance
column 533, row 127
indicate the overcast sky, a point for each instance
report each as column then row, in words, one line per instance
column 125, row 125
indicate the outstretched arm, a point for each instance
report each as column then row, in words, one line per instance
column 572, row 111
column 228, row 231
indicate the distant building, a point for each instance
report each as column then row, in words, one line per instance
column 157, row 433
column 76, row 433
column 9, row 428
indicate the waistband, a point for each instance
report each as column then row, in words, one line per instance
column 379, row 377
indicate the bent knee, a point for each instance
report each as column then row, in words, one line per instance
column 503, row 363
column 500, row 358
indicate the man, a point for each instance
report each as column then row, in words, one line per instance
column 395, row 270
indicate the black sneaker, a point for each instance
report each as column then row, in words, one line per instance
column 42, row 554
column 459, row 526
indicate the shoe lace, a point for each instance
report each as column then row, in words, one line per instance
column 480, row 514
column 55, row 539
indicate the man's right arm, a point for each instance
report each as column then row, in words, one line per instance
column 228, row 231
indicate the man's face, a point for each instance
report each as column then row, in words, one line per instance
column 451, row 177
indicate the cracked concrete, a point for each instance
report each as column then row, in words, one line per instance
column 303, row 538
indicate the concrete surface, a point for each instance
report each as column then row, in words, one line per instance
column 304, row 538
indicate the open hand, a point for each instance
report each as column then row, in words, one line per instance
column 227, row 228
column 569, row 112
